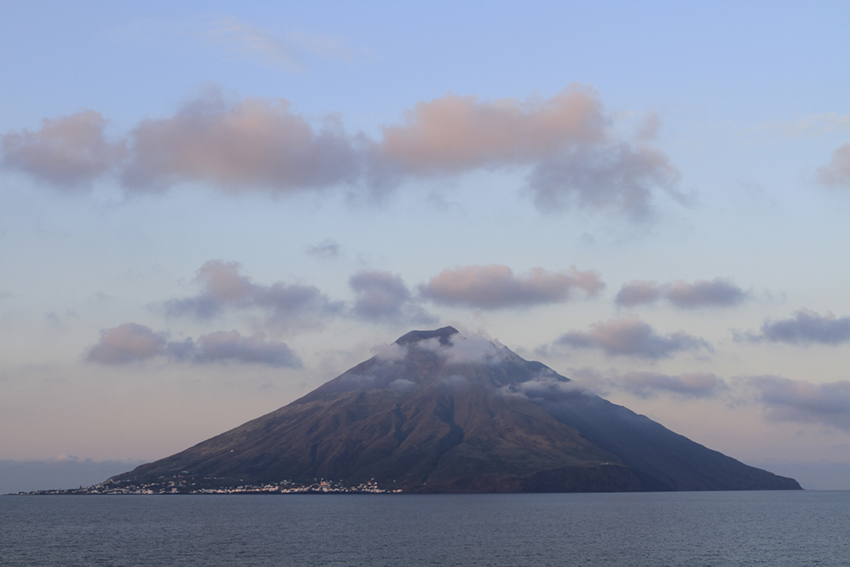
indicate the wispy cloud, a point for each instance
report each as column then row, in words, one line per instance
column 133, row 343
column 693, row 385
column 803, row 328
column 497, row 287
column 809, row 126
column 719, row 292
column 837, row 172
column 796, row 400
column 281, row 50
column 252, row 42
column 632, row 338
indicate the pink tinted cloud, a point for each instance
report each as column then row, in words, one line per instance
column 249, row 144
column 457, row 133
column 496, row 287
column 127, row 343
column 68, row 151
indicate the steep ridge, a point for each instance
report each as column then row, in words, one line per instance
column 437, row 412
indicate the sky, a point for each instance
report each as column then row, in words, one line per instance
column 208, row 209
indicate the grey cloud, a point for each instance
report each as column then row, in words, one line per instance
column 568, row 142
column 632, row 338
column 496, row 287
column 694, row 385
column 255, row 349
column 383, row 296
column 222, row 286
column 620, row 178
column 325, row 249
column 804, row 328
column 800, row 401
column 132, row 342
column 66, row 152
column 837, row 172
column 718, row 292
column 638, row 292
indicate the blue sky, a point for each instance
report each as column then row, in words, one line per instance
column 207, row 210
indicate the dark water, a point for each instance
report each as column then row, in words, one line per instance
column 662, row 529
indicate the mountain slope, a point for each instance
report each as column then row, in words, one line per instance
column 436, row 412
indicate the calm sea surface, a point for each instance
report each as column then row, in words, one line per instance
column 659, row 529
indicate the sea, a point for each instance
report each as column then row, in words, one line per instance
column 694, row 529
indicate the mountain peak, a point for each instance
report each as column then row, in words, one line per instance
column 459, row 414
column 442, row 334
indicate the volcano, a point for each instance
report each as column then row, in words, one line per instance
column 436, row 412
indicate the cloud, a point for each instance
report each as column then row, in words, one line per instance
column 127, row 343
column 800, row 401
column 837, row 172
column 809, row 126
column 131, row 342
column 222, row 286
column 456, row 133
column 458, row 349
column 718, row 292
column 567, row 142
column 255, row 349
column 695, row 385
column 382, row 296
column 255, row 143
column 65, row 152
column 546, row 387
column 804, row 328
column 620, row 178
column 496, row 287
column 252, row 42
column 283, row 52
column 632, row 338
column 472, row 350
column 326, row 249
column 638, row 292
column 391, row 352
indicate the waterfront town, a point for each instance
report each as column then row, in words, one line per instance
column 187, row 486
